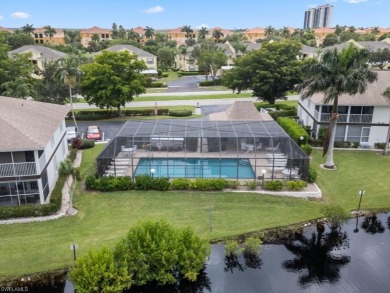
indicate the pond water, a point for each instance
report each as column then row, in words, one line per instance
column 355, row 259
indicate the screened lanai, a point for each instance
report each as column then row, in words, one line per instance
column 205, row 149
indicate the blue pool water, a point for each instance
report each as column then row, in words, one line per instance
column 196, row 168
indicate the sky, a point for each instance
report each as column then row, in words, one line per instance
column 169, row 14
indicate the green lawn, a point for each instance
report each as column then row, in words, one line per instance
column 192, row 97
column 104, row 218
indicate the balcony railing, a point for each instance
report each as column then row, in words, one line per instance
column 352, row 118
column 18, row 169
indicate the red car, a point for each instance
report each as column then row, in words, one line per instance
column 93, row 132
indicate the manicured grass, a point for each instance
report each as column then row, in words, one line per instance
column 104, row 218
column 156, row 90
column 192, row 97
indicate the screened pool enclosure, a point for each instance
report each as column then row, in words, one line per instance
column 205, row 149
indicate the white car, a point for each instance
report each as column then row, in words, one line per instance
column 71, row 132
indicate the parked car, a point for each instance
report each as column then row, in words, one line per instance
column 93, row 132
column 71, row 132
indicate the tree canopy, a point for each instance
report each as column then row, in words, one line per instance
column 113, row 79
column 269, row 72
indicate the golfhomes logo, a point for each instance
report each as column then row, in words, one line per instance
column 14, row 289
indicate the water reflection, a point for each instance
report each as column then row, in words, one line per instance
column 372, row 225
column 232, row 262
column 315, row 260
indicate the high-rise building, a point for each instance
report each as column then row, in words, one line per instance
column 320, row 16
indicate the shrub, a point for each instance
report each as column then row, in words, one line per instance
column 82, row 143
column 181, row 184
column 143, row 182
column 296, row 185
column 312, row 176
column 355, row 144
column 189, row 73
column 292, row 113
column 157, row 84
column 159, row 72
column 210, row 82
column 252, row 245
column 342, row 144
column 251, row 184
column 158, row 252
column 293, row 129
column 180, row 113
column 165, row 74
column 321, row 133
column 380, row 145
column 98, row 272
column 205, row 184
column 275, row 185
column 124, row 183
column 336, row 216
column 107, row 183
column 233, row 184
column 66, row 167
column 315, row 142
column 232, row 247
column 160, row 183
column 307, row 148
column 90, row 182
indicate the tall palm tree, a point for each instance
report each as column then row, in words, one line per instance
column 334, row 74
column 69, row 72
column 28, row 29
column 187, row 30
column 184, row 51
column 95, row 38
column 49, row 31
column 217, row 35
column 149, row 32
column 203, row 33
column 285, row 32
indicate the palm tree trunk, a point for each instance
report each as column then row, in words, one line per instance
column 329, row 154
column 71, row 108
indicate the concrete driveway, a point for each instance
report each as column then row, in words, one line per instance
column 186, row 84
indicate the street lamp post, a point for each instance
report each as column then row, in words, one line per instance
column 361, row 193
column 152, row 172
column 263, row 177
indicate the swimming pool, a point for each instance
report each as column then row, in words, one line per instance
column 196, row 168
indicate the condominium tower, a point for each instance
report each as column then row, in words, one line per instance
column 320, row 16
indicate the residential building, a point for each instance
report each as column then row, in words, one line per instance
column 363, row 118
column 371, row 45
column 225, row 33
column 39, row 54
column 3, row 29
column 32, row 145
column 149, row 59
column 254, row 34
column 41, row 38
column 320, row 16
column 86, row 35
column 179, row 36
column 141, row 33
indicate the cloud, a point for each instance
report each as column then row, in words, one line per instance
column 154, row 10
column 355, row 1
column 202, row 25
column 20, row 15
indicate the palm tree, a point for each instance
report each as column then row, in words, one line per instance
column 202, row 33
column 69, row 72
column 184, row 51
column 334, row 74
column 217, row 34
column 28, row 29
column 19, row 88
column 375, row 30
column 49, row 31
column 386, row 93
column 188, row 30
column 149, row 32
column 95, row 38
column 132, row 35
column 269, row 31
column 285, row 32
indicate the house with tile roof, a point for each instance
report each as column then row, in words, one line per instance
column 86, row 35
column 33, row 144
column 363, row 118
column 149, row 59
column 39, row 54
column 3, row 29
column 254, row 34
column 41, row 38
column 179, row 36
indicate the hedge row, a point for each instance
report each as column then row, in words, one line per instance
column 210, row 82
column 103, row 113
column 145, row 182
column 156, row 84
column 180, row 113
column 278, row 106
column 292, row 113
column 278, row 185
column 189, row 73
column 293, row 129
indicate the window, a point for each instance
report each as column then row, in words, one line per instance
column 149, row 60
column 326, row 109
column 354, row 133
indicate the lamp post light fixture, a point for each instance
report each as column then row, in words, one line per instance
column 361, row 193
column 152, row 171
column 301, row 138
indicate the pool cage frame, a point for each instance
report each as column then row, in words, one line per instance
column 271, row 152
